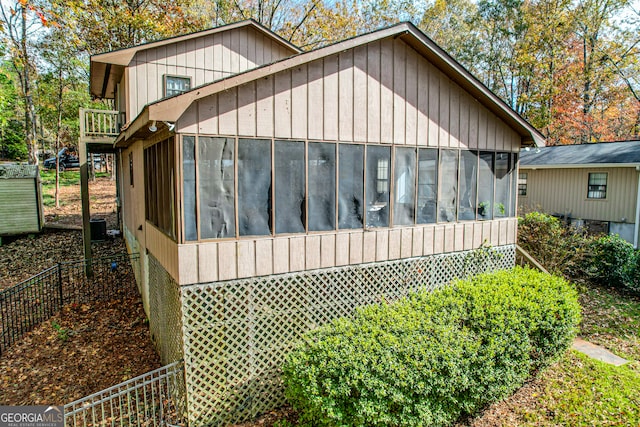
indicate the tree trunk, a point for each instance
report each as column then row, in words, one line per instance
column 29, row 110
column 58, row 130
column 57, row 195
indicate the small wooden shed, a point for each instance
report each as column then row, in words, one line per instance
column 21, row 207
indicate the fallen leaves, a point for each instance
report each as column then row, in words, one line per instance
column 106, row 344
column 87, row 347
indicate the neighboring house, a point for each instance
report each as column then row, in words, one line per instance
column 589, row 184
column 275, row 190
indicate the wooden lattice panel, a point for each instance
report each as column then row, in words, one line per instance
column 237, row 333
column 165, row 312
column 134, row 247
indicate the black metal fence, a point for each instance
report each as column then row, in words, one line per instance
column 27, row 304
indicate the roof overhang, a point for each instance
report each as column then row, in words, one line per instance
column 173, row 108
column 582, row 166
column 106, row 69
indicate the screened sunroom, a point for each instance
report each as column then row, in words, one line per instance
column 241, row 187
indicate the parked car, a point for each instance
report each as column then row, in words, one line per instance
column 67, row 161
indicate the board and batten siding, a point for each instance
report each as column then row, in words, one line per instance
column 564, row 191
column 383, row 92
column 251, row 257
column 204, row 59
column 146, row 235
column 132, row 193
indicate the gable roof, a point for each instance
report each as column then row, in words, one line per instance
column 610, row 154
column 106, row 68
column 171, row 109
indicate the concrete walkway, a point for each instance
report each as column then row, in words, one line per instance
column 597, row 352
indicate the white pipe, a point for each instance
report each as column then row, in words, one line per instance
column 637, row 224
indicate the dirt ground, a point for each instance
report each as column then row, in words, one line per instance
column 102, row 204
column 85, row 348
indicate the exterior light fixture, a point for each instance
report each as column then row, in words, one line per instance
column 153, row 127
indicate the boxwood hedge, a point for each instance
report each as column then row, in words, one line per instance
column 430, row 358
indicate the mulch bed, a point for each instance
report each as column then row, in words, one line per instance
column 80, row 351
column 24, row 256
column 86, row 347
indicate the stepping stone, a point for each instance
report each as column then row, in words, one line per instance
column 597, row 352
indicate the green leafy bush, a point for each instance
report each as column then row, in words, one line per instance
column 605, row 260
column 613, row 262
column 432, row 357
column 12, row 141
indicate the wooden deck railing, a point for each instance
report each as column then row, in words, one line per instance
column 524, row 258
column 99, row 124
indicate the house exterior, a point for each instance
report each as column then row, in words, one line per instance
column 274, row 190
column 588, row 184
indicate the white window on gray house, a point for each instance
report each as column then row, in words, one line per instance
column 485, row 186
column 522, row 184
column 350, row 186
column 175, row 85
column 254, row 187
column 404, row 186
column 216, row 186
column 290, row 209
column 322, row 186
column 427, row 185
column 378, row 175
column 597, row 185
column 468, row 185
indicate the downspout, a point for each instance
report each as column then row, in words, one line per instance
column 636, row 227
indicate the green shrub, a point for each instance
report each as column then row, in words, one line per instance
column 612, row 262
column 605, row 260
column 432, row 357
column 12, row 141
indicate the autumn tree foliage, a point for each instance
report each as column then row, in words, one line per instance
column 571, row 68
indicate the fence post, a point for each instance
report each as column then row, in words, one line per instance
column 84, row 197
column 60, row 294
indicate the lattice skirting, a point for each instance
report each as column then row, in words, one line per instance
column 165, row 312
column 134, row 247
column 237, row 333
